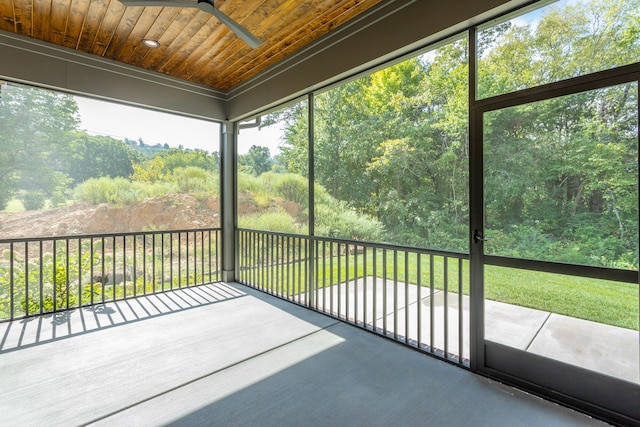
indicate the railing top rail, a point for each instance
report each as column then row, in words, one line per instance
column 274, row 233
column 388, row 246
column 101, row 235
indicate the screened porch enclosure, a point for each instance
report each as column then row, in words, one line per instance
column 472, row 197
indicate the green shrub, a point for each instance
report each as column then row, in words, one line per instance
column 33, row 200
column 155, row 189
column 105, row 190
column 277, row 220
column 292, row 187
column 336, row 220
column 247, row 182
column 58, row 198
column 195, row 180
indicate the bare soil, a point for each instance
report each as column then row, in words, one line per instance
column 172, row 212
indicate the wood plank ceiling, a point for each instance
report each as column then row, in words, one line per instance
column 194, row 45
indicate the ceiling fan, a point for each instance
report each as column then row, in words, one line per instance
column 205, row 6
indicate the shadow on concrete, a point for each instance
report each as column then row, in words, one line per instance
column 46, row 328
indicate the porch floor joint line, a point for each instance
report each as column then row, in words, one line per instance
column 209, row 374
column 538, row 332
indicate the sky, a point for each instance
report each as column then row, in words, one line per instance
column 121, row 121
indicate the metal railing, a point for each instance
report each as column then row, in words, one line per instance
column 50, row 274
column 415, row 296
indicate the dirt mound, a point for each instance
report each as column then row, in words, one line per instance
column 172, row 212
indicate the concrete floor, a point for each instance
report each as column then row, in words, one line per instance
column 225, row 354
column 602, row 348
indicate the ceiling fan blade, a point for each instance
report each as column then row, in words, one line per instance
column 205, row 6
column 240, row 31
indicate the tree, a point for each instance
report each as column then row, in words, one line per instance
column 162, row 165
column 257, row 160
column 98, row 156
column 36, row 135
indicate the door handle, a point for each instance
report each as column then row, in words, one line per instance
column 478, row 237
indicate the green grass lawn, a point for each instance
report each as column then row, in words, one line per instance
column 602, row 301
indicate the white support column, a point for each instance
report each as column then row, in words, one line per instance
column 228, row 142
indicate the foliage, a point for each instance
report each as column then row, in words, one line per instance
column 163, row 165
column 333, row 218
column 33, row 200
column 36, row 136
column 393, row 146
column 195, row 180
column 100, row 156
column 275, row 220
column 560, row 175
column 104, row 190
column 256, row 161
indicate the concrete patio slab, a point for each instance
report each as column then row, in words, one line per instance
column 342, row 376
column 602, row 348
column 367, row 299
column 72, row 378
column 49, row 327
column 225, row 354
column 512, row 325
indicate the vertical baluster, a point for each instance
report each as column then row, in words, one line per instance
column 209, row 252
column 460, row 312
column 187, row 257
column 102, row 271
column 12, row 282
column 153, row 261
column 374, row 287
column 339, row 279
column 202, row 257
column 395, row 294
column 113, row 262
column 419, row 297
column 171, row 239
column 291, row 268
column 406, row 297
column 446, row 306
column 272, row 260
column 254, row 266
column 179, row 259
column 324, row 276
column 331, row 282
column 432, row 338
column 91, row 270
column 135, row 267
column 26, row 278
column 356, row 283
column 346, row 270
column 55, row 268
column 124, row 266
column 364, row 282
column 384, row 290
column 79, row 272
column 300, row 262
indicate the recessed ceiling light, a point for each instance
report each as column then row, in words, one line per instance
column 151, row 43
